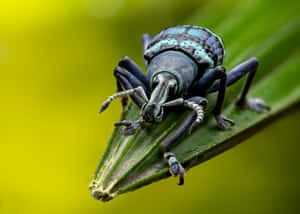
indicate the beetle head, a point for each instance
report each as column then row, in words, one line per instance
column 164, row 86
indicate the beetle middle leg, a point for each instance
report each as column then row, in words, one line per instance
column 198, row 104
column 205, row 83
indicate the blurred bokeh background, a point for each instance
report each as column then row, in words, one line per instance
column 56, row 63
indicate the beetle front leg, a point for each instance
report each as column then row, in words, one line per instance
column 134, row 70
column 132, row 77
column 133, row 92
column 127, row 81
column 198, row 104
column 175, row 167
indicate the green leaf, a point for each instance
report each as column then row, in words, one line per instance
column 252, row 28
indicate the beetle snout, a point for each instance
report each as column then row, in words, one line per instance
column 152, row 112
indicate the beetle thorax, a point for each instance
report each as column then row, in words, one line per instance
column 181, row 66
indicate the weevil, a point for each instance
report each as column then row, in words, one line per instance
column 184, row 64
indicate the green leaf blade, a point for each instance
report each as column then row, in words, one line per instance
column 130, row 162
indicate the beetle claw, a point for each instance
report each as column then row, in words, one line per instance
column 223, row 122
column 193, row 127
column 181, row 178
column 176, row 168
column 257, row 105
column 129, row 127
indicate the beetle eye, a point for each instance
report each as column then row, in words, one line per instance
column 155, row 82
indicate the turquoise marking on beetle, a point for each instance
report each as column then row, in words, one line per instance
column 219, row 38
column 174, row 30
column 158, row 45
column 172, row 41
column 199, row 51
column 200, row 34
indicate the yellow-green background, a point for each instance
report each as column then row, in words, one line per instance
column 56, row 62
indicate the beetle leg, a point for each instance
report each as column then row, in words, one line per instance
column 134, row 81
column 175, row 167
column 132, row 77
column 197, row 104
column 205, row 84
column 124, row 100
column 200, row 114
column 250, row 66
column 256, row 104
column 128, row 81
column 222, row 121
column 134, row 69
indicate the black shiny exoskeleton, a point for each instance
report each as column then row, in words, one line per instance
column 183, row 63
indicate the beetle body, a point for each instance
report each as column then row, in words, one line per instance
column 183, row 64
column 181, row 51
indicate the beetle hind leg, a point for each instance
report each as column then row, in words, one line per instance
column 256, row 104
column 250, row 66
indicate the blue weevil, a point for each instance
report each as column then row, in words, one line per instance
column 183, row 63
